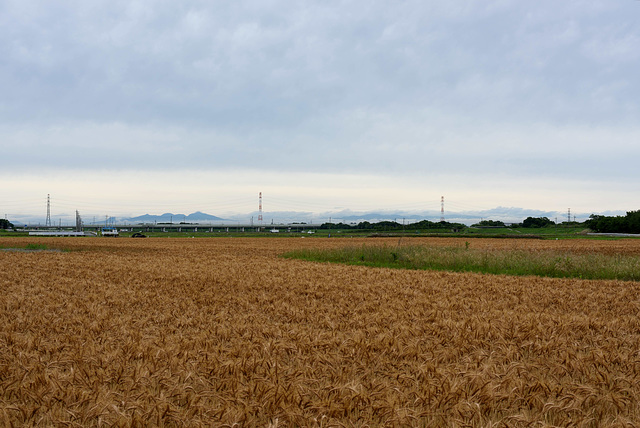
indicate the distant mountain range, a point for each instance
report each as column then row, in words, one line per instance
column 505, row 214
column 196, row 217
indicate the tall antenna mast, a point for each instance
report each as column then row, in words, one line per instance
column 47, row 222
column 260, row 209
column 569, row 215
column 442, row 208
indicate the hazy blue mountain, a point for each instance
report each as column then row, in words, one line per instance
column 195, row 217
column 375, row 217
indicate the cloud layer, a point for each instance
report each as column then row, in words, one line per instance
column 450, row 93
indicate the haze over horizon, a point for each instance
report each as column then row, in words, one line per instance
column 125, row 107
column 469, row 217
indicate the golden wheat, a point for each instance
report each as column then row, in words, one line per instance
column 205, row 332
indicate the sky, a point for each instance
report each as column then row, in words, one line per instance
column 130, row 107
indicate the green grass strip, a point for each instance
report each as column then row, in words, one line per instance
column 36, row 247
column 548, row 263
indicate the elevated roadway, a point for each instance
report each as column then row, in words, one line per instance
column 203, row 227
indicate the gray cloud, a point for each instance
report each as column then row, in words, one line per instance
column 494, row 87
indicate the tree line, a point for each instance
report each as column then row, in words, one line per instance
column 629, row 223
column 529, row 222
column 395, row 226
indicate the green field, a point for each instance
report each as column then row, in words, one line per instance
column 511, row 261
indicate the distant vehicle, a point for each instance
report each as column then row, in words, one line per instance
column 110, row 231
column 274, row 231
column 138, row 235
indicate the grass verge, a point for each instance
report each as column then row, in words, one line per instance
column 36, row 247
column 548, row 263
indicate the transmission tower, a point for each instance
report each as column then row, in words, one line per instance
column 442, row 208
column 260, row 209
column 569, row 215
column 47, row 222
column 78, row 222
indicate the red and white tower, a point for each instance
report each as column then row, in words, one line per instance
column 260, row 208
column 442, row 208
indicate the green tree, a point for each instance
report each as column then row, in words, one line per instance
column 5, row 224
column 536, row 222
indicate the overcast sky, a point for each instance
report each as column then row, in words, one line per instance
column 127, row 107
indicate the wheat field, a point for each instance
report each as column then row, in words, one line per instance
column 225, row 332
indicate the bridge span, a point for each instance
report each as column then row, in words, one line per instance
column 203, row 227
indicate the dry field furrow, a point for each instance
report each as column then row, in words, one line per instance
column 212, row 332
